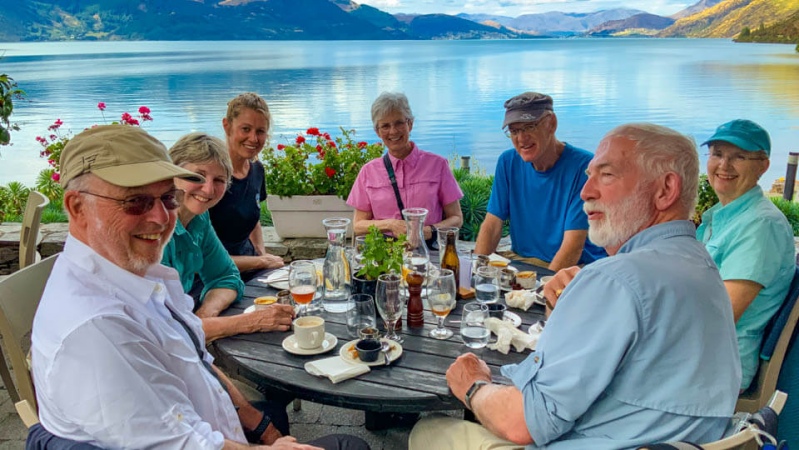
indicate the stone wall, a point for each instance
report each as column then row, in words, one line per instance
column 54, row 234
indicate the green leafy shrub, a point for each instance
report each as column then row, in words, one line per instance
column 266, row 216
column 381, row 254
column 54, row 213
column 707, row 198
column 791, row 211
column 8, row 92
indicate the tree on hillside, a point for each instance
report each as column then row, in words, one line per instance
column 745, row 33
column 8, row 92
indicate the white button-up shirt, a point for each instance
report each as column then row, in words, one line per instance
column 113, row 368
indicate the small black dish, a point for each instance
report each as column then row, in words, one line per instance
column 368, row 349
column 496, row 310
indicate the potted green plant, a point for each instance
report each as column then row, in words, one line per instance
column 308, row 179
column 381, row 254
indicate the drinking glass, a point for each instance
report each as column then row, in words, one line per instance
column 389, row 302
column 441, row 298
column 361, row 314
column 473, row 328
column 486, row 284
column 303, row 282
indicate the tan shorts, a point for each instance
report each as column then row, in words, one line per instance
column 534, row 261
column 448, row 433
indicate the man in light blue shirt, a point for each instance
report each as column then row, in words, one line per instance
column 749, row 239
column 641, row 346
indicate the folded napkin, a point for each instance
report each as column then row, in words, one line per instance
column 508, row 335
column 335, row 368
column 522, row 299
column 495, row 257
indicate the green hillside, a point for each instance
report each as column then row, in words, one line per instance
column 783, row 32
column 728, row 18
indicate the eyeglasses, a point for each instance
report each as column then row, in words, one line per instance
column 527, row 129
column 141, row 204
column 732, row 158
column 386, row 127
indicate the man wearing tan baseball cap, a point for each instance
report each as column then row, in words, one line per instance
column 119, row 359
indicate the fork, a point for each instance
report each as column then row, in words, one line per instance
column 385, row 347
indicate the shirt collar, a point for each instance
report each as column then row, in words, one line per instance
column 118, row 279
column 657, row 232
column 410, row 160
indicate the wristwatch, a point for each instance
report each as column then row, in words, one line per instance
column 467, row 400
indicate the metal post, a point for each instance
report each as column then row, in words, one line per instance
column 790, row 176
column 465, row 163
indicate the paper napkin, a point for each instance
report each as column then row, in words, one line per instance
column 508, row 335
column 335, row 368
column 521, row 299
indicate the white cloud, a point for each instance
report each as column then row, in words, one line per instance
column 519, row 7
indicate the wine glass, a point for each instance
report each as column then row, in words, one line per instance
column 303, row 281
column 441, row 298
column 389, row 302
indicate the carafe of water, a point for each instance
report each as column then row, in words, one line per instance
column 337, row 278
column 415, row 264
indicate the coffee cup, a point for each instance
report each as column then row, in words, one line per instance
column 526, row 279
column 264, row 302
column 309, row 331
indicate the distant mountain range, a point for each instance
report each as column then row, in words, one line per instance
column 46, row 20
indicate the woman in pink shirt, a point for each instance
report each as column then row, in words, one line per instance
column 424, row 180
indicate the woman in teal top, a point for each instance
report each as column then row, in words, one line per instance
column 195, row 248
column 749, row 239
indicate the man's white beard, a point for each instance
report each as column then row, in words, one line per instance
column 620, row 222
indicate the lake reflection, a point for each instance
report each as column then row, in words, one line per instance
column 456, row 88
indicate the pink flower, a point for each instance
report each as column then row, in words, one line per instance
column 56, row 125
column 300, row 139
column 143, row 110
column 280, row 146
column 127, row 119
column 313, row 131
column 101, row 106
column 146, row 117
column 53, row 137
column 330, row 172
column 56, row 176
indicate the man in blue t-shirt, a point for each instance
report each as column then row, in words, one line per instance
column 537, row 186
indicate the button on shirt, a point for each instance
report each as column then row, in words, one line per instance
column 424, row 181
column 750, row 239
column 640, row 349
column 113, row 368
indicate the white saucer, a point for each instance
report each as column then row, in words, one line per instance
column 349, row 354
column 290, row 345
column 513, row 318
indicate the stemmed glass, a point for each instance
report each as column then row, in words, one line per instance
column 441, row 298
column 389, row 302
column 303, row 281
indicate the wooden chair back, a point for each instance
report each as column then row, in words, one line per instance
column 29, row 236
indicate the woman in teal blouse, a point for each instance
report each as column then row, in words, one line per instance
column 195, row 248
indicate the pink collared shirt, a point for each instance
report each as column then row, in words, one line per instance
column 424, row 180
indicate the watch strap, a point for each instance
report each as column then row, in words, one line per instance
column 254, row 436
column 467, row 399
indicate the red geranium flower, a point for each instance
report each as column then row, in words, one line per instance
column 300, row 139
column 280, row 146
column 144, row 110
column 330, row 172
column 331, row 143
column 326, row 136
column 362, row 144
column 313, row 131
column 101, row 106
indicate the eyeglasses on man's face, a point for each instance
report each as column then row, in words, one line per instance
column 398, row 124
column 137, row 205
column 732, row 157
column 528, row 129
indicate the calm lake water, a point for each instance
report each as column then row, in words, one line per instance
column 456, row 88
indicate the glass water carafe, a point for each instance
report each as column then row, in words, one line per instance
column 337, row 278
column 415, row 263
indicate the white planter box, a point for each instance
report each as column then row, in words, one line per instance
column 301, row 216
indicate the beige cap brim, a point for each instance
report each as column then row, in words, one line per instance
column 140, row 174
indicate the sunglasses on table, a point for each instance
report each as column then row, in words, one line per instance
column 137, row 205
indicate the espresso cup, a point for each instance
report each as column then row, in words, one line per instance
column 309, row 331
column 368, row 349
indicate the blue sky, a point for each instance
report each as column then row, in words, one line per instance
column 515, row 8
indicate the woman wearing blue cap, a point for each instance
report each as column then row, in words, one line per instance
column 748, row 237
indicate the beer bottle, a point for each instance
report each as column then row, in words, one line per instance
column 450, row 260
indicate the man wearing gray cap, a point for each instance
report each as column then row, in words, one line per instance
column 537, row 186
column 118, row 356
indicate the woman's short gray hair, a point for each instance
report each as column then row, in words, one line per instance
column 660, row 150
column 201, row 148
column 389, row 102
